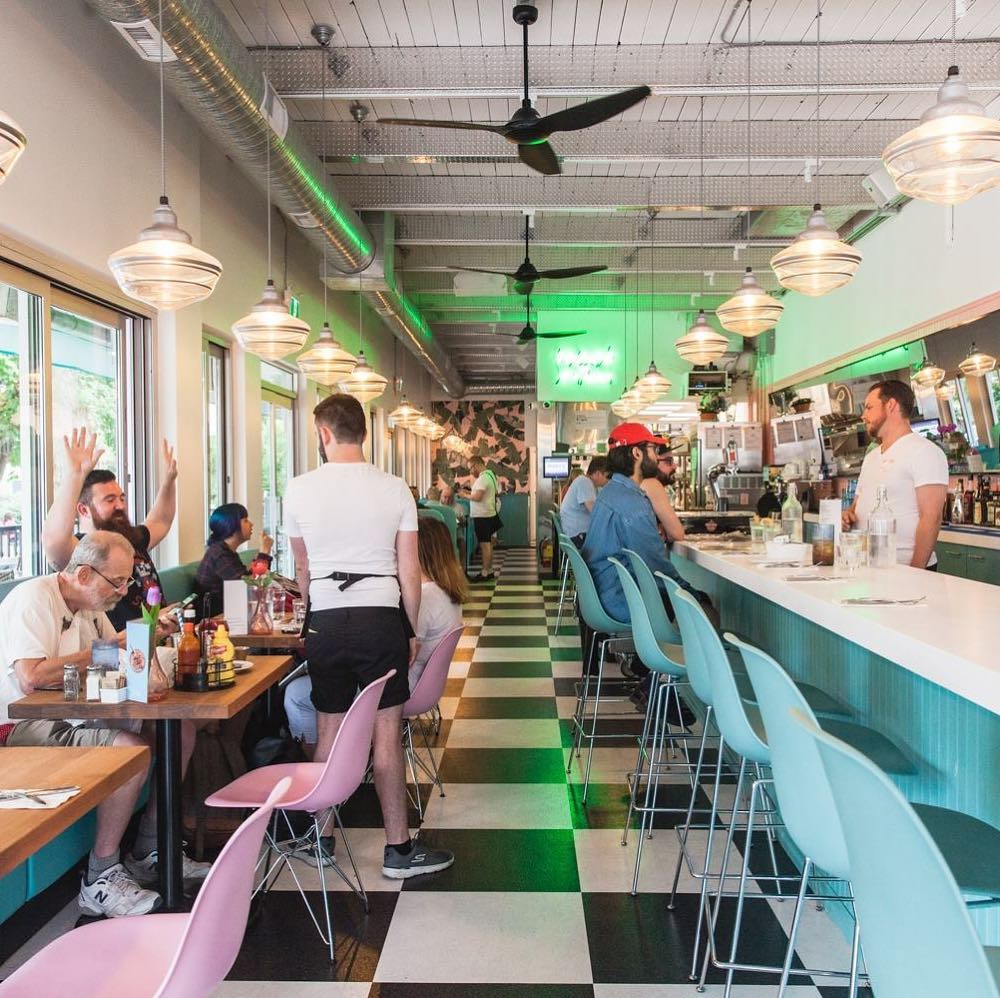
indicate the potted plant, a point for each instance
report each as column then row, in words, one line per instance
column 711, row 406
column 801, row 404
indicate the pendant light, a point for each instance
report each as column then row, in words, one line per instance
column 13, row 142
column 652, row 384
column 927, row 375
column 954, row 153
column 701, row 344
column 364, row 383
column 163, row 269
column 405, row 414
column 977, row 363
column 326, row 361
column 817, row 261
column 628, row 403
column 751, row 310
column 268, row 330
column 946, row 392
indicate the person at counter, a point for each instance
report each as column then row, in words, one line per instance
column 670, row 526
column 578, row 502
column 912, row 468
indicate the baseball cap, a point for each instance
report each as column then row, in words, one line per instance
column 633, row 435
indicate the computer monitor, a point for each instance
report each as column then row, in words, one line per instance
column 556, row 466
column 926, row 426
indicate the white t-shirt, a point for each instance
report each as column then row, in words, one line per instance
column 36, row 623
column 573, row 508
column 349, row 515
column 487, row 506
column 912, row 461
column 438, row 615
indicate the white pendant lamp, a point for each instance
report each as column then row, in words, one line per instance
column 653, row 384
column 163, row 269
column 364, row 383
column 751, row 310
column 928, row 375
column 977, row 363
column 13, row 142
column 623, row 408
column 268, row 330
column 404, row 414
column 946, row 392
column 702, row 344
column 326, row 361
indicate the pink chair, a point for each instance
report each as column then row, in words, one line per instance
column 315, row 787
column 166, row 956
column 425, row 695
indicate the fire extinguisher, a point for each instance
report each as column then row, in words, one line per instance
column 545, row 552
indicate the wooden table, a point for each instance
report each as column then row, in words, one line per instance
column 96, row 771
column 275, row 641
column 177, row 706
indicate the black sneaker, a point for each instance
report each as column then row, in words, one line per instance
column 419, row 860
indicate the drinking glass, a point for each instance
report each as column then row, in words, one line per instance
column 853, row 550
column 822, row 544
column 299, row 611
column 757, row 538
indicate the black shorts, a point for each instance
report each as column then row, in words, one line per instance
column 350, row 647
column 485, row 527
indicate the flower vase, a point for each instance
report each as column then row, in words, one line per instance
column 261, row 621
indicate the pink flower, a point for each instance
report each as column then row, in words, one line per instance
column 258, row 567
column 153, row 596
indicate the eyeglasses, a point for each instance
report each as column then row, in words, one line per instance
column 120, row 587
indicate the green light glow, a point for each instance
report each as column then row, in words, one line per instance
column 590, row 368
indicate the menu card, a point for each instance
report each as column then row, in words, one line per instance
column 234, row 606
column 138, row 641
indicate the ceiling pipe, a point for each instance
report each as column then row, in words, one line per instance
column 219, row 84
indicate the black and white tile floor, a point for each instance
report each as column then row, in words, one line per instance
column 537, row 904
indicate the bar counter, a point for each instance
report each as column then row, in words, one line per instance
column 928, row 676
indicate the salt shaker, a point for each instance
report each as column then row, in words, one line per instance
column 71, row 683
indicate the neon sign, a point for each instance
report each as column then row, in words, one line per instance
column 585, row 367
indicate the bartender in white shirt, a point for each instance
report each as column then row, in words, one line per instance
column 912, row 468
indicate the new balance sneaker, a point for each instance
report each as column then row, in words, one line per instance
column 116, row 894
column 419, row 860
column 146, row 873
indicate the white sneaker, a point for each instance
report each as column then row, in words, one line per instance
column 146, row 872
column 115, row 894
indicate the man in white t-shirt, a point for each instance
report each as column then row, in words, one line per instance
column 483, row 510
column 578, row 502
column 912, row 468
column 353, row 531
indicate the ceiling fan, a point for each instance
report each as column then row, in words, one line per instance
column 529, row 130
column 529, row 334
column 527, row 273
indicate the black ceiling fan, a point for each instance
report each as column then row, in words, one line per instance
column 527, row 273
column 529, row 130
column 528, row 334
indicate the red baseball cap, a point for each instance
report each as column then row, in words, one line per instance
column 633, row 435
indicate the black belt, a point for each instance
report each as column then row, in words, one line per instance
column 348, row 579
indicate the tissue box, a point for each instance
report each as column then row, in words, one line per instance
column 114, row 696
column 797, row 554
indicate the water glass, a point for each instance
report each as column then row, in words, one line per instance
column 853, row 550
column 104, row 655
column 757, row 538
column 822, row 543
column 299, row 611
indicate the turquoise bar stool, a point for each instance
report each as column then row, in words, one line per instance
column 918, row 937
column 561, row 541
column 971, row 847
column 604, row 630
column 666, row 662
column 652, row 595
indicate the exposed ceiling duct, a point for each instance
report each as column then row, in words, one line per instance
column 499, row 389
column 220, row 85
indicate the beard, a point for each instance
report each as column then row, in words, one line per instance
column 666, row 478
column 118, row 523
column 876, row 429
column 648, row 468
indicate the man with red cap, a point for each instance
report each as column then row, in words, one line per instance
column 623, row 517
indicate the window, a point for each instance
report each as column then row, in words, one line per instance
column 962, row 413
column 992, row 393
column 277, row 469
column 215, row 406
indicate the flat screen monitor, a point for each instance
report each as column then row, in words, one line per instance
column 926, row 426
column 556, row 466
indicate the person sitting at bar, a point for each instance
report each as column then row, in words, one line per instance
column 578, row 501
column 670, row 527
column 93, row 496
column 229, row 526
column 47, row 623
column 433, row 501
column 443, row 590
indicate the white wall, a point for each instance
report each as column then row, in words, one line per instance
column 88, row 183
column 909, row 277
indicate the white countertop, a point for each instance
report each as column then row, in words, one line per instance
column 948, row 639
column 973, row 537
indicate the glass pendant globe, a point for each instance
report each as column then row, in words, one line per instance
column 326, row 361
column 952, row 155
column 653, row 384
column 624, row 409
column 945, row 392
column 977, row 363
column 404, row 414
column 928, row 376
column 268, row 330
column 817, row 261
column 13, row 142
column 163, row 269
column 702, row 344
column 751, row 310
column 364, row 383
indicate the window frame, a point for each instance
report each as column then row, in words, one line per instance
column 212, row 347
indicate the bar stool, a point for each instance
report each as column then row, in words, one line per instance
column 561, row 541
column 970, row 847
column 604, row 630
column 919, row 939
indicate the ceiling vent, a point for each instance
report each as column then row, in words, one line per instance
column 144, row 39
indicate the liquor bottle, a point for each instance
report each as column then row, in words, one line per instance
column 970, row 502
column 791, row 516
column 188, row 650
column 958, row 503
column 882, row 531
column 992, row 505
column 977, row 505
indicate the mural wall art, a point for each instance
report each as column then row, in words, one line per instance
column 495, row 432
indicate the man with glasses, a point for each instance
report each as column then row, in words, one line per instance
column 655, row 487
column 92, row 496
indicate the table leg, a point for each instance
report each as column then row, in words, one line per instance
column 168, row 813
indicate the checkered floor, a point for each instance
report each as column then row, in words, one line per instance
column 537, row 904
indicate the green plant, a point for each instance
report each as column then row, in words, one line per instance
column 713, row 403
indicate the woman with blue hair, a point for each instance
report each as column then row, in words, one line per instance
column 229, row 526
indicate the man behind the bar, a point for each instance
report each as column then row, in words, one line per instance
column 353, row 530
column 913, row 470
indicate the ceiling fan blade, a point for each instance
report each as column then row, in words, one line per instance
column 480, row 270
column 540, row 157
column 562, row 272
column 473, row 126
column 593, row 112
column 559, row 336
